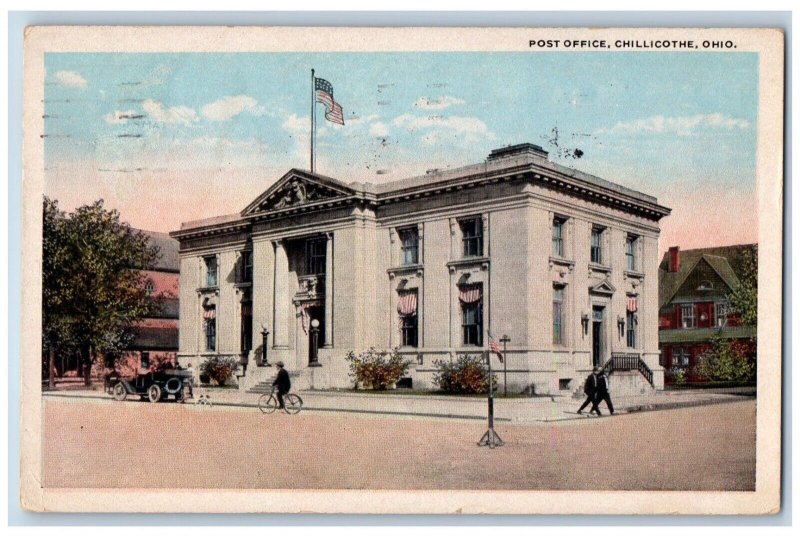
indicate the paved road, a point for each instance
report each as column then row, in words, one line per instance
column 92, row 444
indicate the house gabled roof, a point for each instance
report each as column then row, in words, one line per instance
column 726, row 261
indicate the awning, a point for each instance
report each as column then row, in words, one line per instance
column 407, row 303
column 631, row 303
column 210, row 313
column 469, row 294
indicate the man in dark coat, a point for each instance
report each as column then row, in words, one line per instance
column 282, row 382
column 602, row 394
column 590, row 389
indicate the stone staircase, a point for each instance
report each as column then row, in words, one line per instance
column 628, row 375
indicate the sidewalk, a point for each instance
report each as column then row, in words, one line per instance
column 512, row 410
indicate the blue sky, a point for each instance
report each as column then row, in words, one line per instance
column 206, row 133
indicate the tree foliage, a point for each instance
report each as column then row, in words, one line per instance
column 727, row 361
column 93, row 285
column 744, row 299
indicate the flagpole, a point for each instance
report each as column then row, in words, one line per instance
column 313, row 118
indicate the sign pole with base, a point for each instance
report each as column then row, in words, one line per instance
column 490, row 437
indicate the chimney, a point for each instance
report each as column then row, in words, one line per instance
column 674, row 259
column 518, row 150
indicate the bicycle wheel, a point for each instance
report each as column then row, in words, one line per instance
column 267, row 403
column 293, row 403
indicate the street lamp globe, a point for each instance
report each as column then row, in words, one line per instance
column 314, row 323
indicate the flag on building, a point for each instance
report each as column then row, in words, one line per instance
column 324, row 90
column 494, row 346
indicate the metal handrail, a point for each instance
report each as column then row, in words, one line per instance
column 628, row 362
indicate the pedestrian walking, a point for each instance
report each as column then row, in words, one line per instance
column 590, row 389
column 603, row 394
column 282, row 382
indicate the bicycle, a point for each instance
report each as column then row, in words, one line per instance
column 268, row 403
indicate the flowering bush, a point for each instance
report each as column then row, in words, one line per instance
column 676, row 376
column 728, row 360
column 468, row 374
column 377, row 369
column 219, row 368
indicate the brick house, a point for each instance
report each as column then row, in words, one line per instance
column 693, row 288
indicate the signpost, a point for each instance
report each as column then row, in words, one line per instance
column 490, row 437
column 505, row 339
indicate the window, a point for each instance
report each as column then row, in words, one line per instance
column 596, row 254
column 472, row 324
column 680, row 357
column 211, row 271
column 247, row 266
column 315, row 256
column 409, row 329
column 705, row 286
column 630, row 252
column 247, row 324
column 409, row 246
column 558, row 315
column 687, row 315
column 558, row 237
column 722, row 311
column 631, row 323
column 211, row 334
column 149, row 288
column 472, row 237
column 144, row 360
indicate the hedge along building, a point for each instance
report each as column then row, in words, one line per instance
column 564, row 263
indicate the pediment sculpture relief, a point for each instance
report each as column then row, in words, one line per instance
column 297, row 192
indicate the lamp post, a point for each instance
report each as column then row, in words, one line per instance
column 505, row 339
column 314, row 361
column 264, row 336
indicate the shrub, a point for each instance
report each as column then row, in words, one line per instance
column 727, row 360
column 676, row 376
column 468, row 374
column 377, row 368
column 219, row 369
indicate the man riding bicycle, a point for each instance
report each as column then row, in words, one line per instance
column 282, row 382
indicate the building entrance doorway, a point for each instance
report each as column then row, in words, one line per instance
column 598, row 346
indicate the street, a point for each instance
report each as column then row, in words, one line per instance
column 167, row 445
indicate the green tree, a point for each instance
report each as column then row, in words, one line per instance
column 93, row 286
column 727, row 361
column 744, row 299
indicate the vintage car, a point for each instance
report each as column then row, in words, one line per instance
column 155, row 386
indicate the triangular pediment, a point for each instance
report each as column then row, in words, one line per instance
column 603, row 288
column 297, row 188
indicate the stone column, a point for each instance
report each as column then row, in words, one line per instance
column 329, row 291
column 281, row 297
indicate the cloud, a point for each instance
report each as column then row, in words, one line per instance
column 682, row 125
column 174, row 114
column 228, row 107
column 71, row 79
column 118, row 117
column 378, row 129
column 297, row 126
column 455, row 124
column 438, row 103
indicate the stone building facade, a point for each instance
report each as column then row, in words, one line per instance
column 563, row 263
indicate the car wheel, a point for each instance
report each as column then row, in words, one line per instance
column 119, row 391
column 154, row 393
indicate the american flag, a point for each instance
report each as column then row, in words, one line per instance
column 495, row 348
column 333, row 112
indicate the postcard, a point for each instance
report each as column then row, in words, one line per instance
column 402, row 270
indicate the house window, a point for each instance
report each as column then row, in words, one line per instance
column 472, row 323
column 721, row 309
column 630, row 252
column 558, row 237
column 211, row 334
column 687, row 315
column 596, row 252
column 315, row 256
column 472, row 237
column 409, row 246
column 558, row 315
column 680, row 357
column 144, row 360
column 409, row 330
column 631, row 323
column 705, row 286
column 247, row 266
column 211, row 271
column 149, row 288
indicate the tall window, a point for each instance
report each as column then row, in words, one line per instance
column 558, row 315
column 687, row 315
column 680, row 357
column 630, row 252
column 247, row 266
column 315, row 256
column 472, row 323
column 247, row 324
column 144, row 360
column 409, row 329
column 211, row 334
column 597, row 249
column 409, row 246
column 630, row 328
column 472, row 237
column 211, row 271
column 721, row 313
column 558, row 237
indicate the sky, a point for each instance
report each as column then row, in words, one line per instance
column 168, row 138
